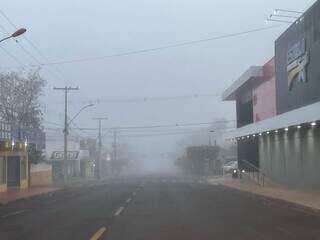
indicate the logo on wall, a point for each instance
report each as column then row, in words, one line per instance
column 297, row 61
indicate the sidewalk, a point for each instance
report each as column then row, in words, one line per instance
column 306, row 199
column 15, row 194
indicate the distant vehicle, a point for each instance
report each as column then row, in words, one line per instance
column 230, row 167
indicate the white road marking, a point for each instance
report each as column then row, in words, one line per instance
column 119, row 211
column 134, row 193
column 129, row 200
column 285, row 231
column 14, row 213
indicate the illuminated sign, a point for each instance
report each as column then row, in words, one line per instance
column 297, row 61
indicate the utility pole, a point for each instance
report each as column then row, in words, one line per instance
column 115, row 146
column 98, row 175
column 66, row 128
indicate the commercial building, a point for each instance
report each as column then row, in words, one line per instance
column 13, row 160
column 79, row 161
column 278, row 108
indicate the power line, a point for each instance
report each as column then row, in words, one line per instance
column 169, row 46
column 30, row 43
column 147, row 99
column 177, row 125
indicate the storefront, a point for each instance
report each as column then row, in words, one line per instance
column 278, row 114
column 13, row 165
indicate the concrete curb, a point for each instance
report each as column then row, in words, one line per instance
column 282, row 202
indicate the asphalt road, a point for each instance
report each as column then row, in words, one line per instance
column 162, row 207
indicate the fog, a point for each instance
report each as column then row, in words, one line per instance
column 68, row 30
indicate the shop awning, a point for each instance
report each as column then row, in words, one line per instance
column 308, row 114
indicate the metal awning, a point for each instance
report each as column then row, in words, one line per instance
column 253, row 72
column 307, row 114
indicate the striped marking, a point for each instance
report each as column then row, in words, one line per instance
column 118, row 212
column 14, row 213
column 98, row 234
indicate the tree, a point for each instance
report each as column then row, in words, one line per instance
column 19, row 99
column 20, row 104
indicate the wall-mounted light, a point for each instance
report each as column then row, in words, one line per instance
column 298, row 126
column 253, row 135
column 260, row 134
column 13, row 143
column 248, row 136
column 286, row 129
column 268, row 132
column 276, row 131
column 313, row 124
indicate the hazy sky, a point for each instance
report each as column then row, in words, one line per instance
column 65, row 30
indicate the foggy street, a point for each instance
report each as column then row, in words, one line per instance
column 155, row 207
column 160, row 120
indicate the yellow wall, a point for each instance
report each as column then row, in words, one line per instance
column 3, row 187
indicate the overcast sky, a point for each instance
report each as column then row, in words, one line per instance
column 65, row 30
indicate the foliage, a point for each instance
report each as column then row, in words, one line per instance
column 19, row 98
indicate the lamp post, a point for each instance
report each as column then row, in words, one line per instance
column 15, row 34
column 66, row 133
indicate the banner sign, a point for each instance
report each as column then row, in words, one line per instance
column 297, row 61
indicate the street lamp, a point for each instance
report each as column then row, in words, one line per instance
column 83, row 108
column 15, row 34
column 66, row 132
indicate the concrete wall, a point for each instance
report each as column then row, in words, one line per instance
column 41, row 175
column 292, row 158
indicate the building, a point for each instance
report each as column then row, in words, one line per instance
column 79, row 162
column 13, row 160
column 278, row 108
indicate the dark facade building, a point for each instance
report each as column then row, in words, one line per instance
column 278, row 108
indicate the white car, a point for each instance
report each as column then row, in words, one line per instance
column 230, row 166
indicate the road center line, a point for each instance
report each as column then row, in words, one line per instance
column 98, row 234
column 14, row 213
column 119, row 211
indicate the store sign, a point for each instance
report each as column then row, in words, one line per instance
column 297, row 61
column 59, row 155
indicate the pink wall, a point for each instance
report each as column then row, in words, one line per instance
column 264, row 94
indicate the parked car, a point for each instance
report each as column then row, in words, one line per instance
column 230, row 167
